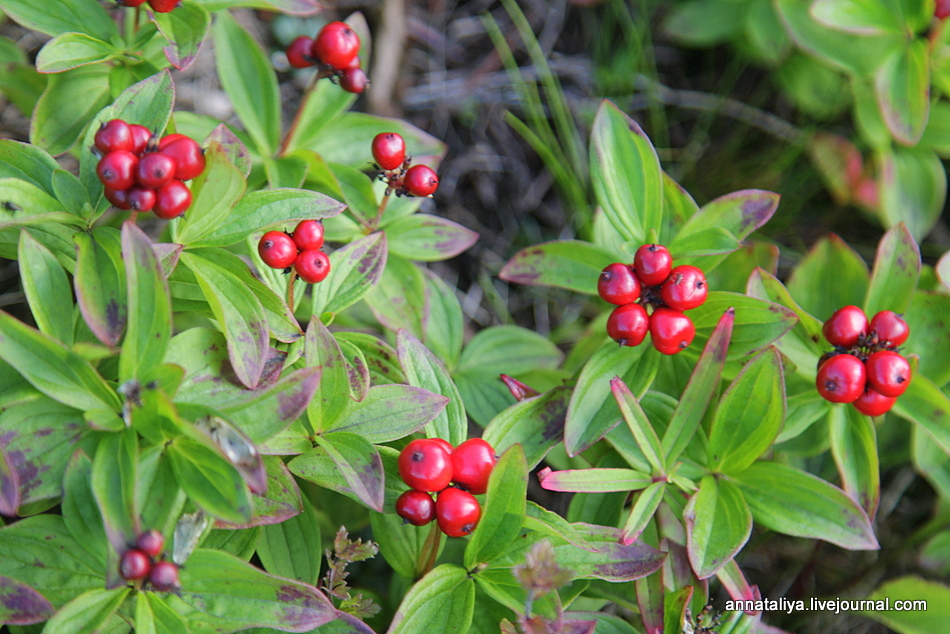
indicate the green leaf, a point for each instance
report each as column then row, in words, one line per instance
column 60, row 16
column 426, row 238
column 703, row 385
column 347, row 139
column 401, row 543
column 81, row 513
column 444, row 329
column 359, row 462
column 87, row 612
column 706, row 242
column 924, row 404
column 538, row 518
column 639, row 425
column 263, row 413
column 594, row 480
column 292, row 548
column 248, row 78
column 442, row 601
column 240, row 315
column 896, row 272
column 592, row 412
column 221, row 590
column 749, row 416
column 902, row 86
column 758, row 324
column 153, row 616
column 797, row 503
column 46, row 288
column 100, row 283
column 332, row 395
column 933, row 616
column 703, row 23
column 929, row 338
column 185, row 28
column 82, row 92
column 278, row 500
column 215, row 191
column 114, row 474
column 569, row 264
column 913, row 188
column 854, row 447
column 354, row 269
column 537, row 424
column 210, row 480
column 390, row 412
column 860, row 17
column 318, row 467
column 509, row 350
column 424, row 370
column 648, row 501
column 27, row 162
column 504, row 510
column 398, row 299
column 718, row 524
column 71, row 50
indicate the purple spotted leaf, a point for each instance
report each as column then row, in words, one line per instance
column 426, row 238
column 390, row 412
column 185, row 28
column 263, row 413
column 650, row 597
column 235, row 150
column 99, row 281
column 321, row 350
column 280, row 502
column 238, row 448
column 569, row 264
column 22, row 605
column 348, row 464
column 167, row 254
column 9, row 487
column 113, row 477
column 356, row 268
column 536, row 423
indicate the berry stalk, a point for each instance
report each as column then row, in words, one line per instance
column 285, row 143
column 429, row 553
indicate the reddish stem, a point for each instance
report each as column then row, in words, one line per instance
column 320, row 74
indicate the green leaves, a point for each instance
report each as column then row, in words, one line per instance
column 356, row 267
column 114, row 474
column 424, row 370
column 860, row 17
column 442, row 601
column 896, row 272
column 913, row 188
column 83, row 92
column 210, row 480
column 569, row 264
column 185, row 28
column 359, row 462
column 718, row 524
column 46, row 288
column 910, row 590
column 60, row 16
column 87, row 612
column 504, row 509
column 390, row 412
column 71, row 50
column 902, row 86
column 426, row 238
column 214, row 193
column 292, row 548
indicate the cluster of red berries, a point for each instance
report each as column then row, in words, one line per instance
column 144, row 173
column 429, row 466
column 652, row 282
column 300, row 249
column 158, row 6
column 865, row 368
column 389, row 152
column 139, row 563
column 336, row 50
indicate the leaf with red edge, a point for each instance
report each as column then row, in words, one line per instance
column 280, row 502
column 9, row 488
column 233, row 148
column 570, row 264
column 718, row 524
column 99, row 281
column 427, row 238
column 186, row 28
column 650, row 600
column 732, row 579
column 22, row 605
column 265, row 412
column 896, row 272
column 167, row 254
column 359, row 462
column 114, row 473
column 854, row 447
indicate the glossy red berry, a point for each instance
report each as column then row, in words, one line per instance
column 653, row 264
column 277, row 250
column 141, row 198
column 164, row 577
column 389, row 150
column 356, row 62
column 888, row 327
column 172, row 199
column 151, row 543
column 336, row 45
column 312, row 266
column 685, row 288
column 168, row 139
column 457, row 512
column 445, row 444
column 416, row 507
column 888, row 372
column 114, row 135
column 162, row 6
column 841, row 379
column 188, row 157
column 420, row 180
column 873, row 403
column 618, row 284
column 134, row 565
column 472, row 463
column 671, row 330
column 425, row 465
column 140, row 138
column 628, row 325
column 845, row 327
column 118, row 197
column 116, row 169
column 131, row 3
column 942, row 9
column 155, row 169
column 298, row 53
column 308, row 235
column 354, row 80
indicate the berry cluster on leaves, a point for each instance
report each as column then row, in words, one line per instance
column 303, row 250
column 865, row 368
column 336, row 50
column 430, row 465
column 143, row 173
column 652, row 282
column 143, row 562
column 158, row 6
column 389, row 152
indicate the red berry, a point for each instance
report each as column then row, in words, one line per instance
column 354, row 80
column 652, row 263
column 141, row 198
column 628, row 325
column 416, row 507
column 134, row 565
column 298, row 53
column 445, row 444
column 425, row 465
column 151, row 543
column 118, row 197
column 420, row 180
column 888, row 327
column 457, row 512
column 140, row 138
column 685, row 288
column 356, row 62
column 841, row 379
column 188, row 156
column 845, row 326
column 114, row 135
column 873, row 403
column 942, row 9
column 277, row 250
column 168, row 139
column 336, row 45
column 389, row 150
column 172, row 199
column 671, row 330
column 472, row 463
column 308, row 235
column 131, row 3
column 312, row 266
column 618, row 284
column 888, row 372
column 164, row 577
column 155, row 169
column 162, row 6
column 116, row 169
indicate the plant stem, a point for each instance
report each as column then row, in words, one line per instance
column 134, row 216
column 429, row 553
column 382, row 208
column 320, row 74
column 138, row 15
column 290, row 291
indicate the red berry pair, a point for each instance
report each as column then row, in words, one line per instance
column 864, row 369
column 158, row 6
column 389, row 152
column 336, row 48
column 139, row 563
column 428, row 466
column 652, row 282
column 144, row 175
column 302, row 250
